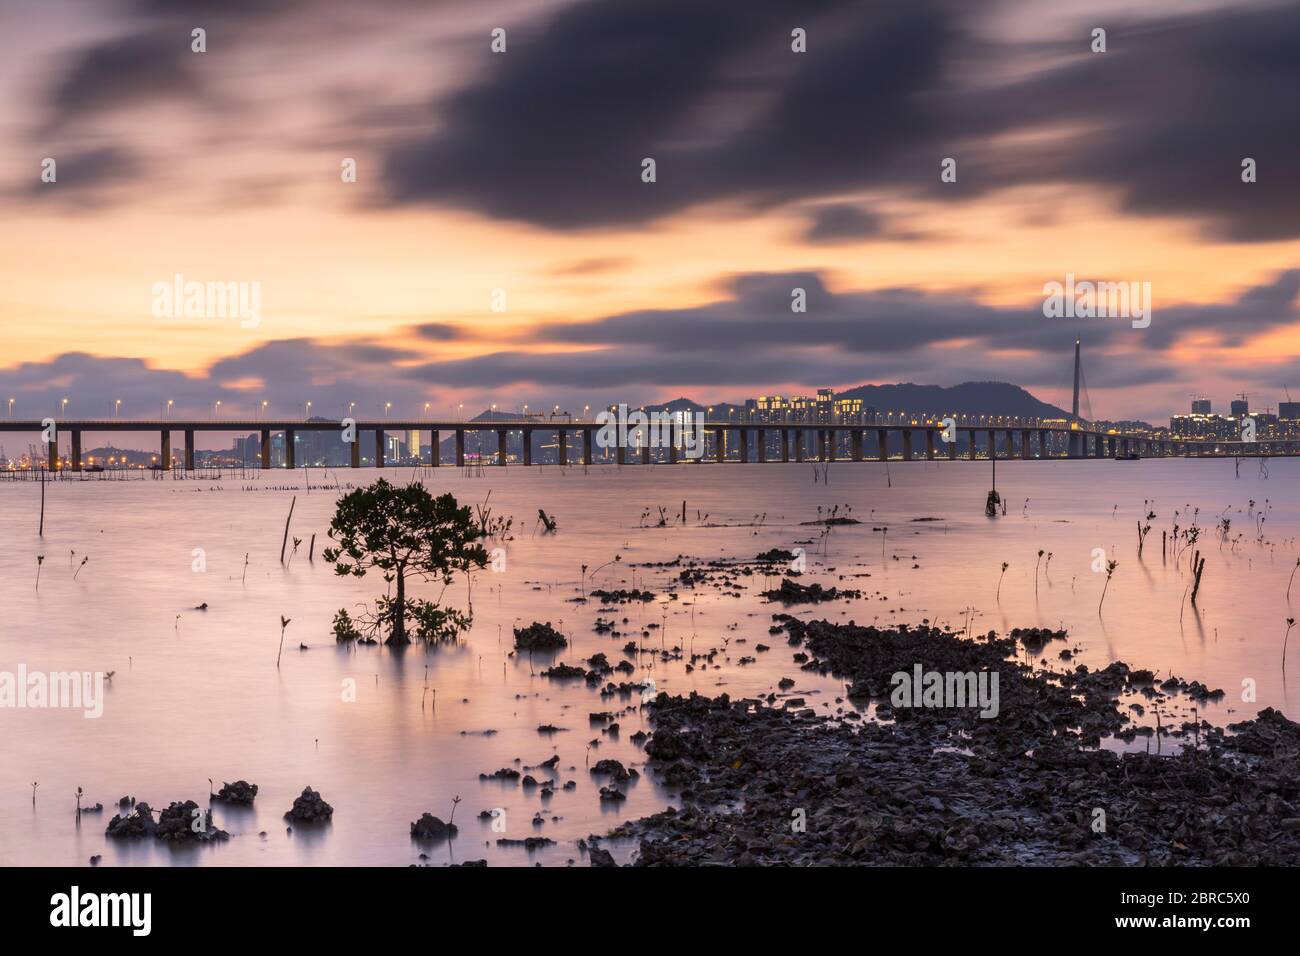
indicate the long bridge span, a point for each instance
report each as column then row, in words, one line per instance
column 868, row 438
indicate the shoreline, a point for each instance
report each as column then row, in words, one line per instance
column 766, row 782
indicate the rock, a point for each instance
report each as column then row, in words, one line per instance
column 539, row 637
column 600, row 857
column 139, row 823
column 240, row 793
column 186, row 823
column 309, row 807
column 614, row 768
column 429, row 827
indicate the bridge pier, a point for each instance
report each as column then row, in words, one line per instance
column 460, row 448
column 562, row 444
column 165, row 453
column 435, row 449
column 672, row 443
column 972, row 436
column 76, row 451
column 907, row 444
column 882, row 444
column 762, row 446
column 743, row 434
column 290, row 459
column 501, row 447
column 855, row 444
column 266, row 448
column 189, row 449
column 719, row 445
column 785, row 445
column 587, row 441
column 355, row 450
column 380, row 439
column 645, row 449
column 1025, row 451
column 929, row 444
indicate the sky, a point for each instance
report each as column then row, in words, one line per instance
column 500, row 244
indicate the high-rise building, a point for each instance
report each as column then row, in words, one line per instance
column 1288, row 411
column 1200, row 406
column 1240, row 407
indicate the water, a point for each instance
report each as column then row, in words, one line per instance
column 197, row 694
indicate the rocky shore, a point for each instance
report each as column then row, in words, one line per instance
column 768, row 781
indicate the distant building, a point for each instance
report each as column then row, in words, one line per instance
column 1200, row 406
column 1288, row 411
column 825, row 407
column 1202, row 427
column 1239, row 408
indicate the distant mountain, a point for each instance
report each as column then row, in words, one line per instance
column 718, row 413
column 968, row 398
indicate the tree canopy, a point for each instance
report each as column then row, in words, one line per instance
column 404, row 532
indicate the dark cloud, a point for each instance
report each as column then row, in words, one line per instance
column 85, row 177
column 125, row 71
column 553, row 132
column 840, row 222
column 556, row 130
column 758, row 314
column 439, row 332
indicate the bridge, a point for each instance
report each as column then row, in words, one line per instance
column 864, row 438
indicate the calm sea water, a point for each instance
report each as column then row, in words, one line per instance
column 197, row 694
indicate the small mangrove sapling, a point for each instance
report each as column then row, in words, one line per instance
column 1110, row 570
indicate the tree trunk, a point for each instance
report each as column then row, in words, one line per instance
column 398, row 633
